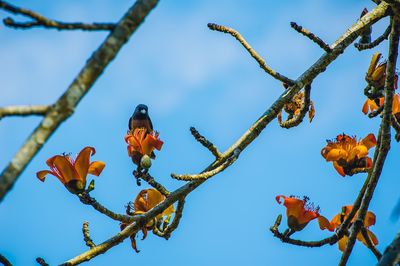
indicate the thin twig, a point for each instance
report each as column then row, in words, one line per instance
column 311, row 244
column 365, row 36
column 207, row 174
column 391, row 256
column 370, row 245
column 41, row 21
column 66, row 104
column 376, row 42
column 41, row 261
column 5, row 261
column 178, row 215
column 396, row 127
column 251, row 51
column 205, row 142
column 152, row 182
column 297, row 119
column 23, row 110
column 311, row 36
column 86, row 199
column 384, row 133
column 86, row 235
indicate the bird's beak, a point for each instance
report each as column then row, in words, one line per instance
column 143, row 111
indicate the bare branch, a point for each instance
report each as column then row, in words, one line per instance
column 65, row 106
column 177, row 218
column 23, row 110
column 86, row 199
column 370, row 245
column 384, row 36
column 207, row 174
column 41, row 262
column 384, row 135
column 311, row 244
column 251, row 51
column 205, row 142
column 86, row 235
column 41, row 21
column 311, row 36
column 103, row 247
column 391, row 256
column 5, row 261
column 152, row 182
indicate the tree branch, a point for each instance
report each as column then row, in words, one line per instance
column 251, row 51
column 152, row 182
column 41, row 21
column 23, row 110
column 370, row 245
column 66, row 104
column 86, row 199
column 385, row 136
column 5, row 261
column 384, row 36
column 86, row 235
column 205, row 142
column 391, row 256
column 311, row 36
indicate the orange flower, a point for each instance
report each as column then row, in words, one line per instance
column 376, row 73
column 146, row 200
column 299, row 212
column 373, row 105
column 293, row 108
column 140, row 143
column 347, row 154
column 72, row 173
column 338, row 220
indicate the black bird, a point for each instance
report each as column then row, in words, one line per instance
column 140, row 119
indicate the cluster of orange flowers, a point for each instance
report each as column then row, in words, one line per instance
column 375, row 78
column 349, row 156
column 141, row 143
column 300, row 212
column 146, row 200
column 73, row 174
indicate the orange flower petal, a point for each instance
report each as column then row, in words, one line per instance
column 369, row 141
column 374, row 62
column 325, row 224
column 42, row 174
column 358, row 152
column 82, row 162
column 370, row 219
column 365, row 107
column 140, row 203
column 311, row 112
column 336, row 154
column 396, row 104
column 66, row 170
column 339, row 169
column 154, row 197
column 372, row 237
column 342, row 243
column 95, row 168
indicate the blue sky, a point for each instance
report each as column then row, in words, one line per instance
column 189, row 76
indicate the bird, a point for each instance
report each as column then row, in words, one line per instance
column 140, row 119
